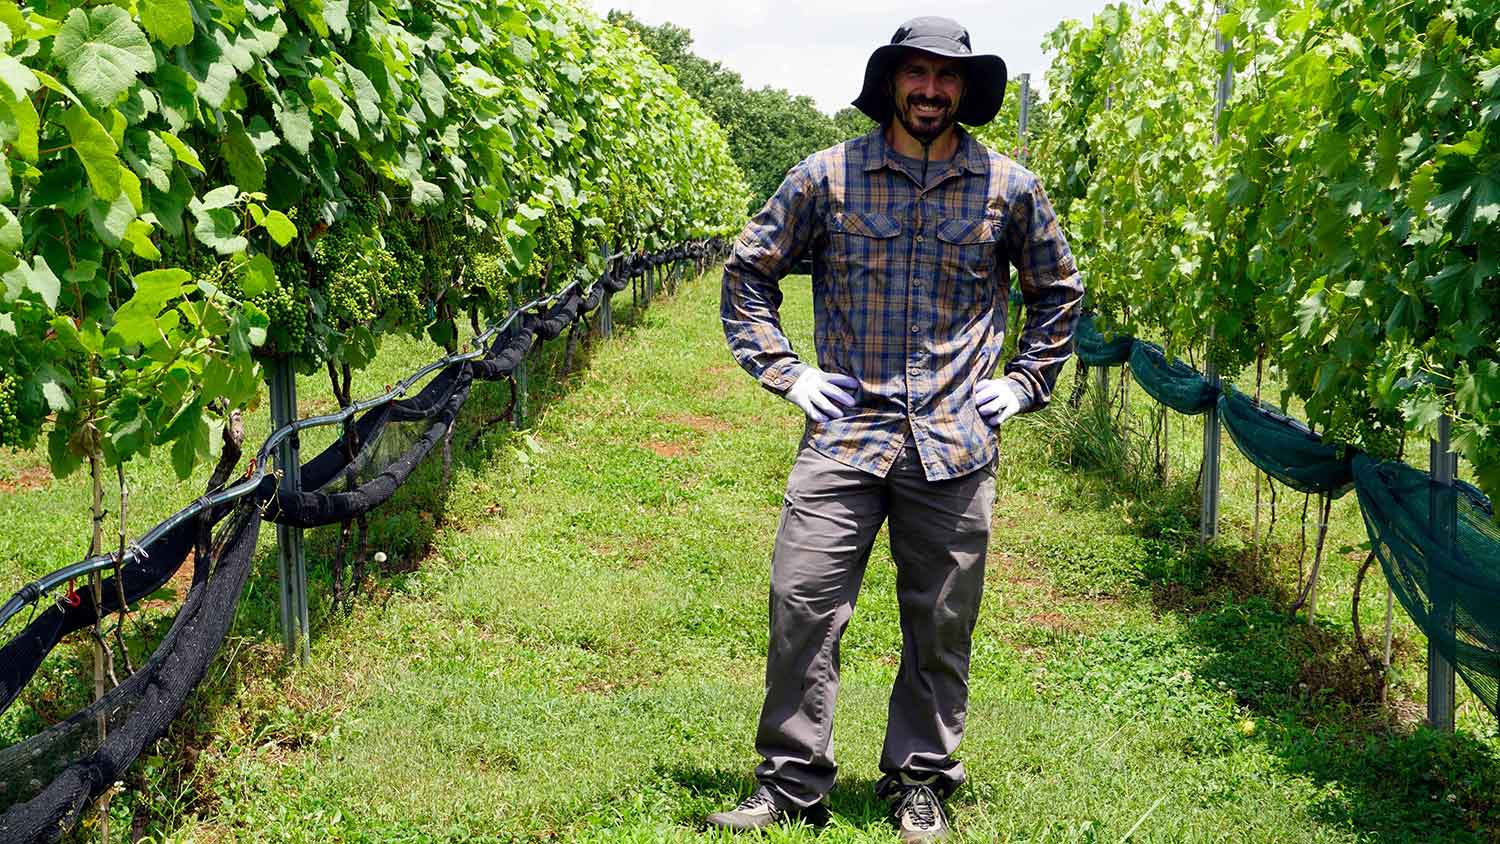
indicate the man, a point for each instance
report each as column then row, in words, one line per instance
column 911, row 229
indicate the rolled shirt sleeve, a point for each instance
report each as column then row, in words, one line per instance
column 1052, row 290
column 750, row 299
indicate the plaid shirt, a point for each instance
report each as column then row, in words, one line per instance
column 909, row 296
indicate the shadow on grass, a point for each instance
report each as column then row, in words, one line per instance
column 852, row 801
column 1317, row 700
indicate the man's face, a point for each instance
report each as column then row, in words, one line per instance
column 926, row 90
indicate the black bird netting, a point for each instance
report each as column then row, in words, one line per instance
column 140, row 576
column 1439, row 547
column 48, row 779
column 1284, row 448
column 1173, row 383
column 392, row 441
column 1095, row 350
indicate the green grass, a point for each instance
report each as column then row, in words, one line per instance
column 570, row 643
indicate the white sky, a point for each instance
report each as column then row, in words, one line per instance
column 819, row 48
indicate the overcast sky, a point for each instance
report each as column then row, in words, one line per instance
column 819, row 47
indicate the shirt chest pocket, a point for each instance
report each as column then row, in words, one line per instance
column 862, row 242
column 968, row 247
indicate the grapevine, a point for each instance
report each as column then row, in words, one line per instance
column 314, row 188
column 1333, row 221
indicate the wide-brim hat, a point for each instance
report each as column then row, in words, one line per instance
column 984, row 75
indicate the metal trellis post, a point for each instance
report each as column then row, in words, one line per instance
column 518, row 416
column 291, row 567
column 1208, row 523
column 606, row 305
column 1025, row 153
column 1443, row 511
column 1101, row 373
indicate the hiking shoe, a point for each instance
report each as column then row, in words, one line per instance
column 761, row 810
column 915, row 810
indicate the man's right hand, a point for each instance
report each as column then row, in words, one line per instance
column 820, row 393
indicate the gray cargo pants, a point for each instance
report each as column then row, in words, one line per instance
column 939, row 531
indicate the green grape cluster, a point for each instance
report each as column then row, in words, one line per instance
column 1378, row 432
column 10, row 419
column 555, row 251
column 402, row 292
column 486, row 277
column 353, row 271
column 290, row 314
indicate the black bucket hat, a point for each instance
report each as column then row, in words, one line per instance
column 984, row 75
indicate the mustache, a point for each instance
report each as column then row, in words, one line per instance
column 923, row 101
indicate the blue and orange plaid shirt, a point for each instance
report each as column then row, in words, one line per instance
column 911, row 287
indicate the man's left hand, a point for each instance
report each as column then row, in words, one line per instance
column 996, row 400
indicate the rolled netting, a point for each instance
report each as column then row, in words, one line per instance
column 1173, row 383
column 393, row 440
column 140, row 576
column 1284, row 448
column 1095, row 350
column 1439, row 547
column 48, row 779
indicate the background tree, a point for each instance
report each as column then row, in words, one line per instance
column 851, row 122
column 769, row 129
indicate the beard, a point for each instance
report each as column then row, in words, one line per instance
column 926, row 127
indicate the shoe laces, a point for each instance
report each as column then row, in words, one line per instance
column 760, row 799
column 921, row 805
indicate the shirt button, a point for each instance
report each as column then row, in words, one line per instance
column 916, row 282
column 919, row 238
column 916, row 329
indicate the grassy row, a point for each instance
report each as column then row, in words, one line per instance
column 570, row 643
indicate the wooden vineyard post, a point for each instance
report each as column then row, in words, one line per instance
column 1443, row 512
column 1208, row 522
column 291, row 562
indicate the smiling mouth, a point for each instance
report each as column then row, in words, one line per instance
column 922, row 110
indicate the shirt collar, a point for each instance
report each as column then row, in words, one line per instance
column 968, row 156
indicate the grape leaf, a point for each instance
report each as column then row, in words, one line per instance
column 259, row 276
column 103, row 51
column 221, row 197
column 280, row 228
column 138, row 235
column 16, row 77
column 336, row 16
column 219, row 230
column 36, row 277
column 10, row 231
column 135, row 321
column 425, row 193
column 96, row 149
column 182, row 151
column 18, row 126
column 295, row 121
column 245, row 164
column 168, row 21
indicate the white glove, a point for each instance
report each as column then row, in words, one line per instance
column 996, row 400
column 820, row 393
